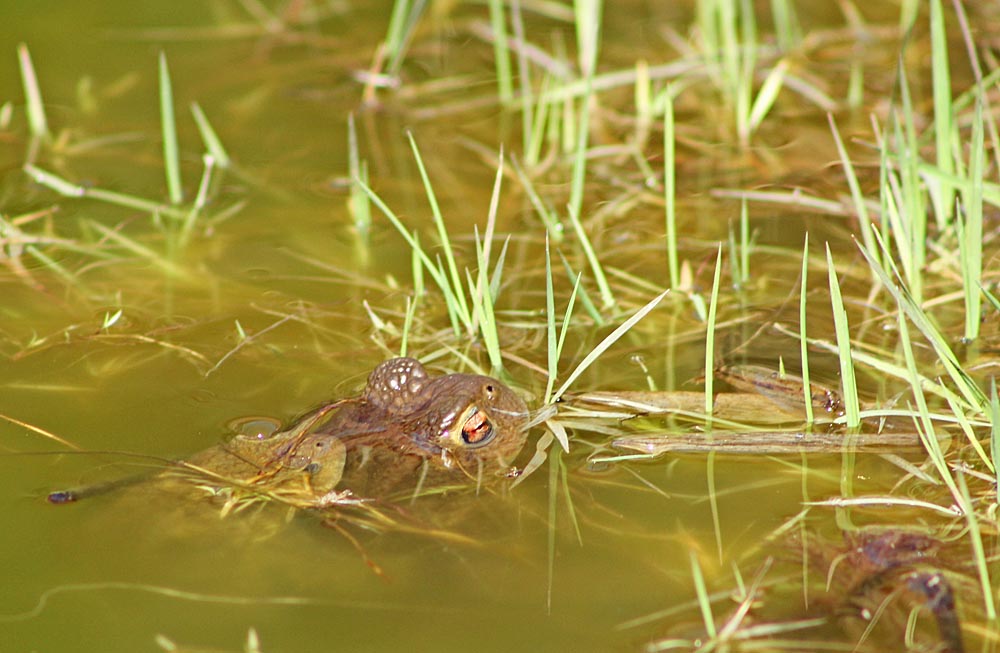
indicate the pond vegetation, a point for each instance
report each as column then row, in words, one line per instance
column 739, row 258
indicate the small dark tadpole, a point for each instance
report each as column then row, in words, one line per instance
column 61, row 497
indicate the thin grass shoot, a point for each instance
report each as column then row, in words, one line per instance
column 38, row 124
column 803, row 339
column 209, row 138
column 849, row 384
column 168, row 125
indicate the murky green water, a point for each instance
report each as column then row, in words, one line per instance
column 277, row 254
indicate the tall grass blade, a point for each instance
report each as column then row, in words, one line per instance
column 439, row 277
column 411, row 310
column 200, row 199
column 359, row 205
column 713, row 497
column 501, row 53
column 587, row 20
column 926, row 425
column 851, row 404
column 995, row 429
column 704, row 602
column 579, row 173
column 766, row 96
column 607, row 297
column 551, row 530
column 527, row 94
column 38, row 124
column 943, row 110
column 669, row 187
column 979, row 554
column 609, row 340
column 449, row 254
column 803, row 338
column 209, row 138
column 168, row 124
column 857, row 197
column 405, row 16
column 971, row 231
column 553, row 227
column 550, row 326
column 588, row 303
column 912, row 191
column 713, row 306
column 966, row 386
column 483, row 311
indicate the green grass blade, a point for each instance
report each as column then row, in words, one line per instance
column 979, row 553
column 607, row 297
column 171, row 157
column 843, row 331
column 449, row 254
column 767, row 95
column 483, row 310
column 943, row 109
column 187, row 226
column 411, row 310
column 803, row 338
column 209, row 138
column 501, row 53
column 545, row 214
column 69, row 189
column 358, row 203
column 669, row 187
column 551, row 530
column 38, row 124
column 6, row 113
column 579, row 174
column 713, row 306
column 587, row 20
column 995, row 429
column 588, row 303
column 432, row 268
column 550, row 325
column 971, row 232
column 704, row 602
column 611, row 339
column 857, row 197
column 966, row 386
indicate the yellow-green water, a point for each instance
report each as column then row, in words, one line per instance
column 166, row 378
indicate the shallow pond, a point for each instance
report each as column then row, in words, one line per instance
column 138, row 340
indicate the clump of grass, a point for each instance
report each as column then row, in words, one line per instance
column 176, row 219
column 473, row 313
column 731, row 50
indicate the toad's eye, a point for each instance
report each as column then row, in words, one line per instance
column 477, row 430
